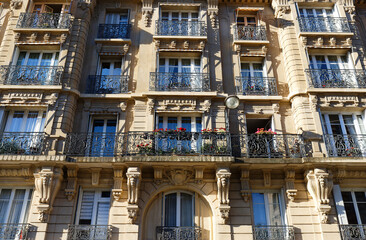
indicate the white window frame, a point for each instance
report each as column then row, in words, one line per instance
column 38, row 128
column 26, row 202
column 180, row 18
column 178, row 213
column 116, row 17
column 179, row 120
column 166, row 65
column 111, row 68
column 97, row 199
column 54, row 53
column 251, row 68
column 313, row 61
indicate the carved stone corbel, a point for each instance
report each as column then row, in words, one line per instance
column 212, row 11
column 72, row 179
column 132, row 213
column 117, row 186
column 158, row 175
column 15, row 4
column 133, row 184
column 46, row 37
column 332, row 42
column 95, row 176
column 304, row 41
column 320, row 184
column 123, row 106
column 47, row 182
column 291, row 191
column 267, row 177
column 33, row 37
column 223, row 185
column 199, row 174
column 245, row 185
column 125, row 49
column 186, row 44
column 224, row 213
column 319, row 42
column 280, row 7
column 151, row 105
column 147, row 11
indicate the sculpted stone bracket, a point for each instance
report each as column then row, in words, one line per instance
column 213, row 11
column 70, row 190
column 95, row 176
column 47, row 183
column 199, row 175
column 147, row 11
column 223, row 186
column 291, row 191
column 280, row 7
column 118, row 180
column 15, row 4
column 245, row 185
column 267, row 178
column 133, row 186
column 320, row 184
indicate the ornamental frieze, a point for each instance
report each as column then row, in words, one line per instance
column 27, row 98
column 339, row 101
column 182, row 105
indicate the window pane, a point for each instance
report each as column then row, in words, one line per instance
column 16, row 207
column 198, row 124
column 46, row 59
column 33, row 59
column 172, row 123
column 347, row 196
column 186, row 123
column 21, row 58
column 362, row 211
column 348, row 122
column 29, row 200
column 30, row 125
column 111, row 126
column 170, row 210
column 274, row 209
column 335, row 124
column 98, row 126
column 186, row 210
column 4, row 204
column 102, row 213
column 161, row 122
column 16, row 122
column 360, row 124
column 86, row 211
column 360, row 196
column 259, row 210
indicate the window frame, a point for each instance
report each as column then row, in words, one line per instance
column 193, row 117
column 180, row 18
column 38, row 129
column 27, row 203
column 64, row 9
column 192, row 65
column 119, row 13
column 246, row 16
column 251, row 68
column 41, row 52
column 327, row 126
column 313, row 61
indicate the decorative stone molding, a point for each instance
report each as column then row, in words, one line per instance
column 17, row 36
column 47, row 182
column 267, row 178
column 151, row 105
column 291, row 191
column 350, row 8
column 118, row 183
column 348, row 42
column 179, row 176
column 245, row 185
column 158, row 175
column 207, row 105
column 33, row 37
column 95, row 176
column 276, row 107
column 15, row 4
column 147, row 11
column 199, row 175
column 70, row 190
column 304, row 41
column 173, row 44
column 125, row 49
column 223, row 184
column 63, row 38
column 133, row 184
column 46, row 37
column 340, row 173
column 157, row 44
column 202, row 45
column 339, row 101
column 224, row 213
column 264, row 49
column 132, row 213
column 237, row 48
column 332, row 42
column 319, row 42
column 314, row 102
column 320, row 184
column 123, row 106
column 280, row 7
column 16, row 172
column 177, row 104
column 186, row 44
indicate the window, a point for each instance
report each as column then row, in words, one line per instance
column 250, row 21
column 321, row 20
column 14, row 205
column 179, row 65
column 191, row 124
column 25, row 121
column 344, row 134
column 178, row 210
column 37, row 59
column 93, row 207
column 117, row 18
column 309, row 12
column 103, row 137
column 51, row 8
column 253, row 81
column 179, row 23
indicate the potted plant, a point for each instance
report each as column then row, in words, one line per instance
column 145, row 149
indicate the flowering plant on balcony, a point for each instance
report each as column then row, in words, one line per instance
column 261, row 131
column 353, row 152
column 145, row 148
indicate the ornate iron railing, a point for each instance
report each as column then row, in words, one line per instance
column 178, row 233
column 274, row 233
column 114, row 31
column 336, row 78
column 147, row 143
column 180, row 28
column 268, row 146
column 187, row 82
column 347, row 145
column 22, row 143
column 102, row 84
column 353, row 232
column 30, row 75
column 256, row 86
column 324, row 24
column 255, row 33
column 14, row 231
column 89, row 232
column 44, row 20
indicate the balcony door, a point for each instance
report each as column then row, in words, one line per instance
column 50, row 15
column 109, row 79
column 253, row 78
column 179, row 23
column 117, row 18
column 102, row 138
column 319, row 20
column 345, row 134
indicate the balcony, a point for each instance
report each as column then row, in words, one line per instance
column 172, row 233
column 324, row 25
column 264, row 86
column 44, row 21
column 30, row 75
column 157, row 143
column 250, row 33
column 21, row 143
column 336, row 78
column 181, row 28
column 186, row 82
column 89, row 232
column 273, row 233
column 108, row 84
column 347, row 145
column 118, row 31
column 268, row 146
column 11, row 231
column 353, row 232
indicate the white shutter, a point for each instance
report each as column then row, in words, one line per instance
column 86, row 209
column 339, row 205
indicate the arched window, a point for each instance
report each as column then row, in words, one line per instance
column 178, row 209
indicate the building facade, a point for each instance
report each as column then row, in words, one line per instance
column 204, row 120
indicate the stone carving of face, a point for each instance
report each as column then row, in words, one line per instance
column 133, row 181
column 224, row 182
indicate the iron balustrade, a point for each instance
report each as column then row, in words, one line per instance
column 12, row 231
column 22, row 143
column 30, row 75
column 252, row 33
column 89, row 232
column 181, row 233
column 103, row 84
column 256, row 86
column 345, row 145
column 180, row 28
column 114, row 31
column 268, row 146
column 274, row 233
column 353, row 232
column 324, row 24
column 147, row 143
column 44, row 20
column 187, row 82
column 336, row 78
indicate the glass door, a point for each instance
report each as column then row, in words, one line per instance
column 110, row 80
column 103, row 138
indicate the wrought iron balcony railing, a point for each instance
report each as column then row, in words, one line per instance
column 173, row 233
column 147, row 143
column 30, row 75
column 336, row 78
column 180, row 28
column 187, row 82
column 353, row 232
column 103, row 84
column 324, row 24
column 252, row 33
column 14, row 231
column 114, row 31
column 256, row 86
column 44, row 20
column 274, row 233
column 22, row 143
column 347, row 145
column 89, row 232
column 268, row 146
